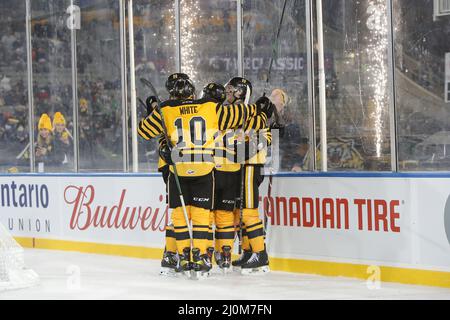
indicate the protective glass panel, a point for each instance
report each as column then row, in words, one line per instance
column 155, row 59
column 99, row 87
column 208, row 41
column 286, row 82
column 14, row 137
column 52, row 86
column 357, row 85
column 422, row 61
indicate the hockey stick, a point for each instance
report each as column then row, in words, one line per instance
column 241, row 195
column 275, row 47
column 142, row 103
column 175, row 172
column 277, row 115
column 241, row 191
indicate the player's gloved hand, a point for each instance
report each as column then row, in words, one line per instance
column 166, row 154
column 151, row 103
column 264, row 105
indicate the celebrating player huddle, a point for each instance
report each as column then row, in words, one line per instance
column 212, row 151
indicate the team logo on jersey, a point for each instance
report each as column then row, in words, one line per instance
column 447, row 218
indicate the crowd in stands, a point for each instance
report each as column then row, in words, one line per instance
column 100, row 120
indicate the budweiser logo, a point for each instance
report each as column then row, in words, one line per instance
column 86, row 213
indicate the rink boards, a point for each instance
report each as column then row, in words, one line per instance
column 369, row 226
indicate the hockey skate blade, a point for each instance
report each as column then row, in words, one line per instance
column 186, row 274
column 226, row 271
column 168, row 272
column 236, row 269
column 255, row 271
column 199, row 275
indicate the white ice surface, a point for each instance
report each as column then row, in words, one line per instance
column 110, row 277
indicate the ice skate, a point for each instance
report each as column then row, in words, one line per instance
column 225, row 259
column 257, row 264
column 184, row 264
column 218, row 257
column 242, row 259
column 210, row 251
column 169, row 264
column 201, row 265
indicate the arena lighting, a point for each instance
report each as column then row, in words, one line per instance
column 376, row 67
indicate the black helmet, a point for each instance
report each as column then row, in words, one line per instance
column 182, row 89
column 242, row 88
column 170, row 83
column 214, row 91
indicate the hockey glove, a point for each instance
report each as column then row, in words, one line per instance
column 151, row 103
column 166, row 154
column 264, row 105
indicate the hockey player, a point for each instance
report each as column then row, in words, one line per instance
column 169, row 262
column 254, row 257
column 215, row 92
column 258, row 261
column 191, row 125
column 224, row 192
column 228, row 175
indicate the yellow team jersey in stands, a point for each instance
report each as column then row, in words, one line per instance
column 192, row 126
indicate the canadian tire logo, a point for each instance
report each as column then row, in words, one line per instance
column 447, row 219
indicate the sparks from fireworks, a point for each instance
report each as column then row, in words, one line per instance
column 190, row 14
column 170, row 35
column 377, row 72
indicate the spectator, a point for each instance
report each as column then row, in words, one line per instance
column 5, row 84
column 87, row 135
column 44, row 151
column 62, row 136
column 8, row 41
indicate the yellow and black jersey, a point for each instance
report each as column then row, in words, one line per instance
column 264, row 137
column 192, row 126
column 257, row 122
column 226, row 152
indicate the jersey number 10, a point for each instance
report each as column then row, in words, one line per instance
column 197, row 132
